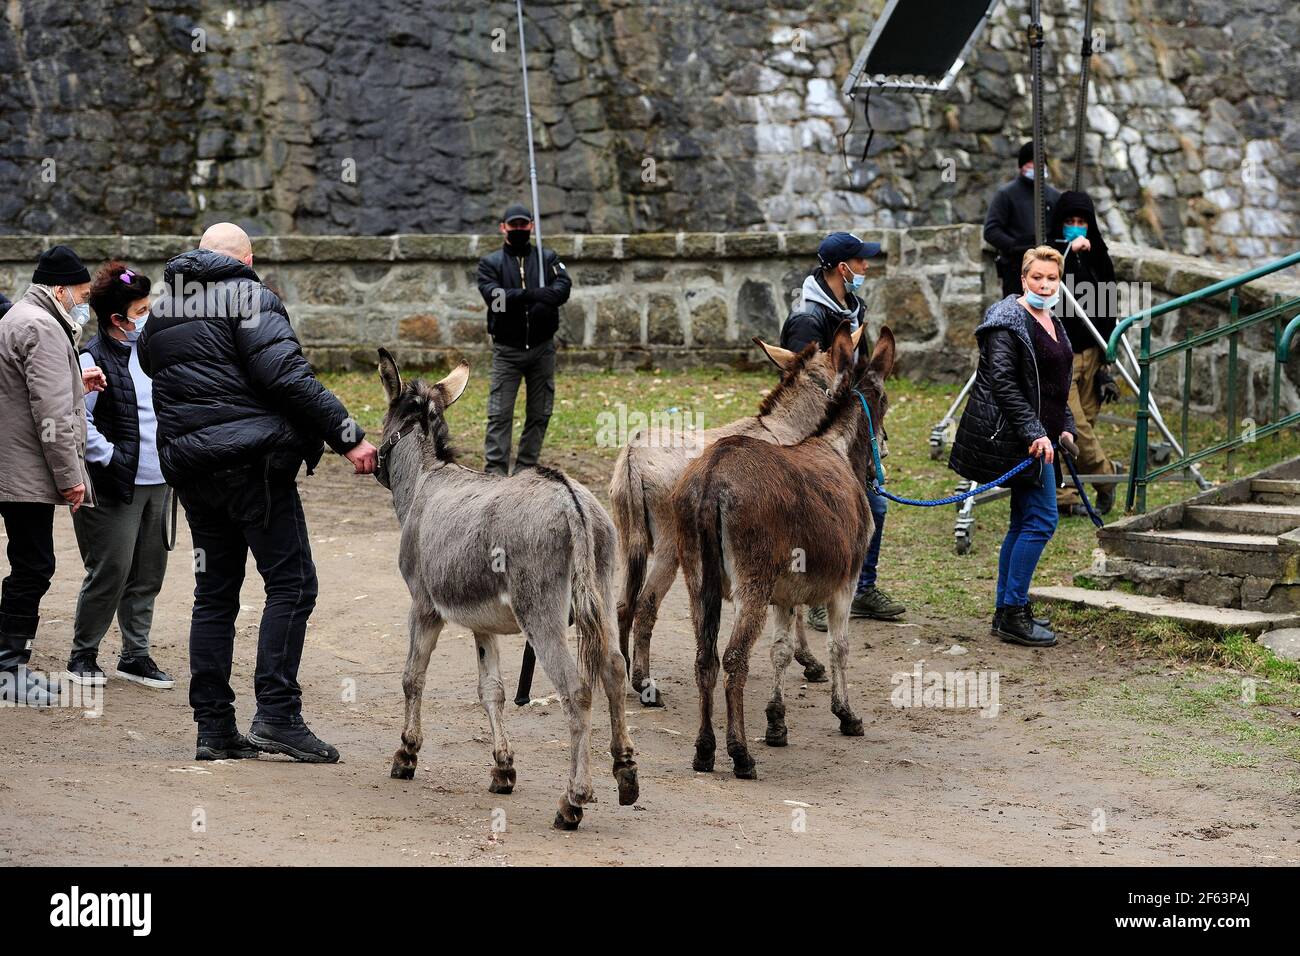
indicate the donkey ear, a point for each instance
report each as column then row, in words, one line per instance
column 841, row 349
column 781, row 358
column 452, row 386
column 882, row 359
column 388, row 374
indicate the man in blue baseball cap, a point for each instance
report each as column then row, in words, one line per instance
column 830, row 295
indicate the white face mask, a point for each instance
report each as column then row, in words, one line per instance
column 78, row 314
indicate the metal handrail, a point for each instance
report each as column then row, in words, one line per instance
column 1141, row 473
column 1284, row 346
column 1224, row 285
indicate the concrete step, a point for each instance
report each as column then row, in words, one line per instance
column 1243, row 518
column 1275, row 491
column 1202, row 618
column 1224, row 552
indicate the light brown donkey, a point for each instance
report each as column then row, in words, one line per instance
column 645, row 475
column 766, row 524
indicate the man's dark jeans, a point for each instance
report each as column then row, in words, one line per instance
column 230, row 515
column 536, row 368
column 30, row 528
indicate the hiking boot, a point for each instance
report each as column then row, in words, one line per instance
column 997, row 619
column 22, row 687
column 142, row 670
column 231, row 746
column 875, row 603
column 817, row 618
column 1104, row 500
column 83, row 669
column 294, row 740
column 1017, row 627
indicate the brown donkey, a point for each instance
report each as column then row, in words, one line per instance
column 766, row 524
column 645, row 475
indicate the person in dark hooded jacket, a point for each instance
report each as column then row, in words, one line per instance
column 239, row 412
column 1009, row 224
column 1090, row 276
column 5, row 305
column 1018, row 408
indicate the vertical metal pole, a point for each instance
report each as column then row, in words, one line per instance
column 532, row 159
column 1036, row 85
column 1140, row 451
column 1233, row 308
column 1187, row 391
column 1081, row 115
column 524, row 689
column 1277, row 369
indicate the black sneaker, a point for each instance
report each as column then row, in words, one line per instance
column 1104, row 501
column 1017, row 627
column 232, row 746
column 143, row 670
column 294, row 740
column 84, row 670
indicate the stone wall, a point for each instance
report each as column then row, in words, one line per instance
column 398, row 116
column 684, row 299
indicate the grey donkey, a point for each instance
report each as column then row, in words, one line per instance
column 502, row 555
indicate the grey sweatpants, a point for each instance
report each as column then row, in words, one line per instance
column 536, row 367
column 122, row 548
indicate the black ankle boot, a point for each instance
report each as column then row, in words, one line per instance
column 999, row 612
column 1017, row 627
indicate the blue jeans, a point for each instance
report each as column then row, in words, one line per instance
column 1033, row 522
column 867, row 576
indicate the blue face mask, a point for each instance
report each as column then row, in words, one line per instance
column 1075, row 232
column 139, row 327
column 1039, row 302
column 854, row 283
column 1029, row 173
column 81, row 313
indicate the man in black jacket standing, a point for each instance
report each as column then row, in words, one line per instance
column 1009, row 225
column 523, row 315
column 239, row 411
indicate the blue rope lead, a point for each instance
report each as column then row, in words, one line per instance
column 953, row 499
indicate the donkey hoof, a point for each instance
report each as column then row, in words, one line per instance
column 628, row 788
column 745, row 771
column 649, row 694
column 776, row 737
column 851, row 727
column 403, row 768
column 503, row 781
column 568, row 817
column 815, row 674
column 703, row 763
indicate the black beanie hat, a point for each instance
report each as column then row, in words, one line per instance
column 1026, row 154
column 60, row 266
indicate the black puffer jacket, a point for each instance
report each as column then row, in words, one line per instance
column 230, row 384
column 521, row 310
column 1001, row 417
column 117, row 418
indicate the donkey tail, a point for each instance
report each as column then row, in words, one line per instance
column 635, row 539
column 709, row 523
column 590, row 595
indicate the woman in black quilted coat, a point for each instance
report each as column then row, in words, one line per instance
column 1019, row 407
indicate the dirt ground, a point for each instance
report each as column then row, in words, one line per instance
column 1062, row 774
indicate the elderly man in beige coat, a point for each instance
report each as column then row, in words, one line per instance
column 43, row 434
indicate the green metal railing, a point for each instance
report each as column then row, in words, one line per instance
column 1142, row 474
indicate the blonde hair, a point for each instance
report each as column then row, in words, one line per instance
column 1042, row 254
